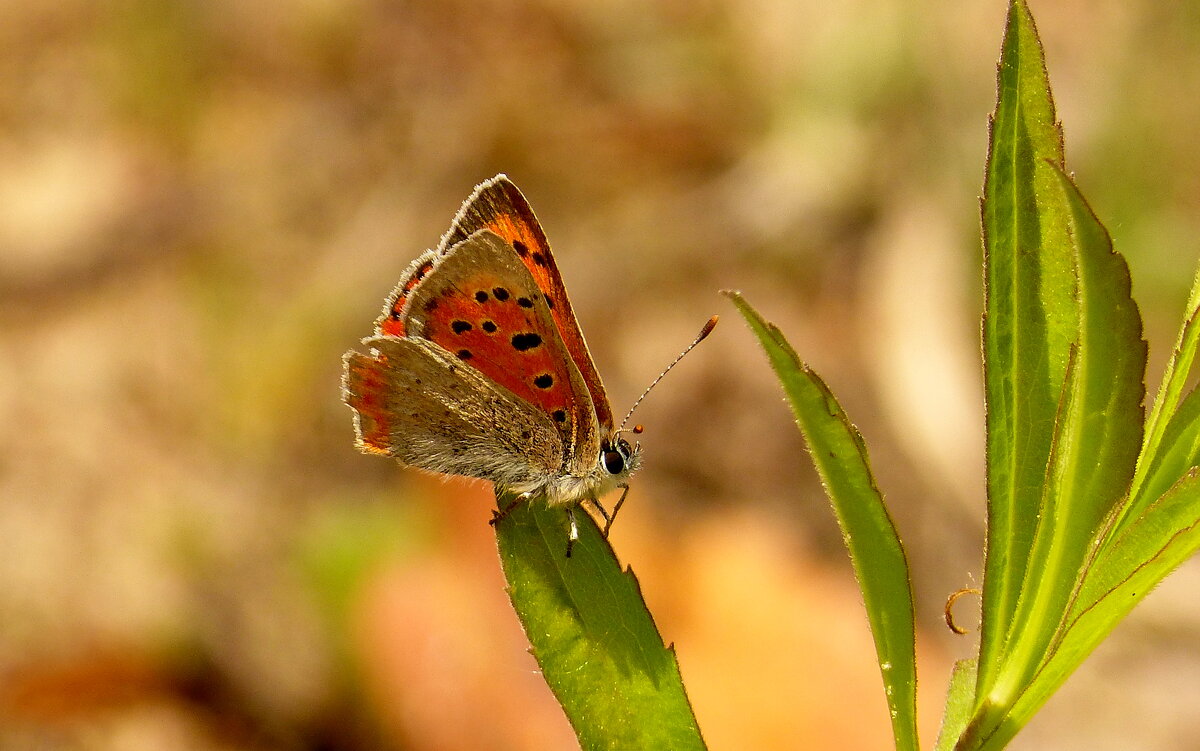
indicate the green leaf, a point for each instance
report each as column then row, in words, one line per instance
column 1154, row 472
column 1176, row 451
column 1092, row 458
column 1096, row 448
column 875, row 549
column 1148, row 550
column 1142, row 544
column 960, row 702
column 1029, row 322
column 592, row 636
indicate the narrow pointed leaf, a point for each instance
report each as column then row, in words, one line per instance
column 1097, row 449
column 1029, row 320
column 875, row 549
column 1176, row 451
column 1151, row 465
column 592, row 636
column 1092, row 457
column 1143, row 543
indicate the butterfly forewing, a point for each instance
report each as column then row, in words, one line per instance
column 480, row 304
column 498, row 205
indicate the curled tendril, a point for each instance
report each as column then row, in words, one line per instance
column 953, row 598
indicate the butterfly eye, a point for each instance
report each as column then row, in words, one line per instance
column 615, row 456
column 614, row 461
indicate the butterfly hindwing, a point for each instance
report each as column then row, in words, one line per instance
column 418, row 403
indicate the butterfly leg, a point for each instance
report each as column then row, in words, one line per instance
column 498, row 515
column 603, row 511
column 573, row 535
column 609, row 518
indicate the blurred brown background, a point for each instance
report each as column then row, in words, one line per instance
column 203, row 205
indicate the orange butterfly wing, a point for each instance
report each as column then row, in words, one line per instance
column 482, row 307
column 498, row 205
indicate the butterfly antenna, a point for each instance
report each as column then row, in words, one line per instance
column 704, row 332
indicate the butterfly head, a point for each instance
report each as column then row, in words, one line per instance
column 616, row 461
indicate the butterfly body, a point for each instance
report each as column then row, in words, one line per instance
column 478, row 368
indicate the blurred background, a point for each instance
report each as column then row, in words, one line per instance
column 204, row 204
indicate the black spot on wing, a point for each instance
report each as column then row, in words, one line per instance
column 526, row 341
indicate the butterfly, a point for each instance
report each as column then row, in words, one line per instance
column 478, row 368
